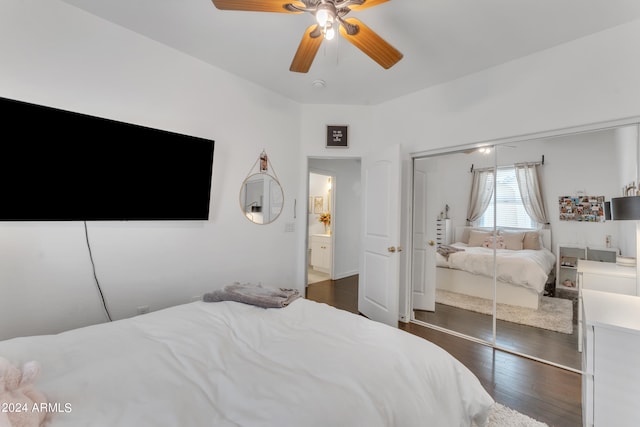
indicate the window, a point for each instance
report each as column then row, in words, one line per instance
column 511, row 212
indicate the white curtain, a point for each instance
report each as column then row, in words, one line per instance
column 481, row 192
column 530, row 191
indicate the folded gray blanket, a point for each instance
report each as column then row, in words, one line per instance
column 446, row 250
column 253, row 294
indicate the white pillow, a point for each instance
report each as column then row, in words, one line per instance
column 477, row 238
column 513, row 240
column 491, row 242
column 532, row 240
column 465, row 235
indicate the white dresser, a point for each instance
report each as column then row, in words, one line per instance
column 611, row 359
column 444, row 233
column 606, row 277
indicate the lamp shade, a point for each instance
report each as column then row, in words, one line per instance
column 625, row 208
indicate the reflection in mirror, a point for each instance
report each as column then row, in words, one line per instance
column 578, row 170
column 261, row 198
column 443, row 296
column 579, row 173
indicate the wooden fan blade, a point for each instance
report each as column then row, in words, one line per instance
column 367, row 4
column 307, row 50
column 256, row 5
column 371, row 44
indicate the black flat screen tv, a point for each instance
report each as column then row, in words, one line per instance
column 58, row 165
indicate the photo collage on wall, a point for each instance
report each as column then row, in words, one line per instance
column 582, row 208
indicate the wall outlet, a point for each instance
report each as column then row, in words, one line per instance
column 289, row 227
column 143, row 309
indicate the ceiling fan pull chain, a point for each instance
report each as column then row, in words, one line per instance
column 338, row 51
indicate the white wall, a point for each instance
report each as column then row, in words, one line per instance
column 589, row 80
column 57, row 55
column 628, row 149
column 314, row 120
column 454, row 178
column 579, row 164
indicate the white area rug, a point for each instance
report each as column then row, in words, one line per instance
column 555, row 314
column 502, row 416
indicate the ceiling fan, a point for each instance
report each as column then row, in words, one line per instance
column 330, row 15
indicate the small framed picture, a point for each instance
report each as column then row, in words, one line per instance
column 337, row 136
column 318, row 204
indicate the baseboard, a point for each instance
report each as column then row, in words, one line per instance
column 338, row 276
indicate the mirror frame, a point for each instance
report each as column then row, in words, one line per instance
column 260, row 177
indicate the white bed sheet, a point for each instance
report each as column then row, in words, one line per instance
column 528, row 268
column 232, row 364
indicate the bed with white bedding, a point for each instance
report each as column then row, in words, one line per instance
column 522, row 267
column 234, row 364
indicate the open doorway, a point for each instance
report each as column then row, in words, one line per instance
column 333, row 188
column 319, row 223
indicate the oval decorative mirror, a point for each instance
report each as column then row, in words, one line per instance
column 261, row 195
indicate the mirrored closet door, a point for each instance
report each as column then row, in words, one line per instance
column 535, row 208
column 445, row 294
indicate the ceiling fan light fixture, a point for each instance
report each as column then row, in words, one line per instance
column 329, row 32
column 325, row 13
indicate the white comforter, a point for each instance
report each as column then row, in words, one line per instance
column 528, row 268
column 231, row 364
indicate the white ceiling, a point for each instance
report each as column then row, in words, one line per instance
column 441, row 40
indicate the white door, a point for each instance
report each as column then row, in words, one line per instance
column 425, row 211
column 379, row 281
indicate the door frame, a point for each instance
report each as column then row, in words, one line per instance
column 309, row 169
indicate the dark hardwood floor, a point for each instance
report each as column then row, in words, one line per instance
column 557, row 347
column 544, row 392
